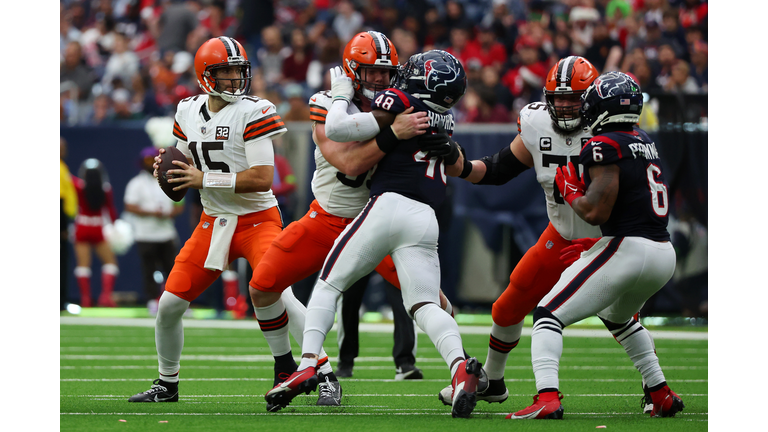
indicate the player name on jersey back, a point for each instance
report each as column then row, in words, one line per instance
column 551, row 148
column 406, row 170
column 216, row 142
column 642, row 205
column 337, row 193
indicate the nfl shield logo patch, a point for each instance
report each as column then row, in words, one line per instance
column 549, row 244
column 223, row 222
column 202, row 130
column 206, row 225
column 568, row 141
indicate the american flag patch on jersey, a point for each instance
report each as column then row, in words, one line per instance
column 623, row 101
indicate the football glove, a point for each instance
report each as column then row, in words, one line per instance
column 569, row 184
column 341, row 85
column 440, row 144
column 569, row 254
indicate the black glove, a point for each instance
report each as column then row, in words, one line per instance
column 440, row 145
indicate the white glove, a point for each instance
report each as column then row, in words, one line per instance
column 341, row 85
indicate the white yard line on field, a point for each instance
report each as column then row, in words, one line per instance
column 364, row 327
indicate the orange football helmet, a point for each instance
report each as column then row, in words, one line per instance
column 569, row 76
column 366, row 50
column 217, row 53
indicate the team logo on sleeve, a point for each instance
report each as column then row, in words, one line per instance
column 222, row 133
column 439, row 74
column 545, row 143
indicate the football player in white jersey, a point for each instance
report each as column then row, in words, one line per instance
column 227, row 138
column 339, row 185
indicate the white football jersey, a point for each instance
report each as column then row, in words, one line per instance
column 550, row 148
column 336, row 193
column 216, row 143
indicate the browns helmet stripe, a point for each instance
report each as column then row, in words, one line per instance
column 382, row 45
column 231, row 46
column 565, row 71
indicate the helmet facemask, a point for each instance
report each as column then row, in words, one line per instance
column 363, row 82
column 568, row 117
column 218, row 86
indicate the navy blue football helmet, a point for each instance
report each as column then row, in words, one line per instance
column 436, row 77
column 614, row 97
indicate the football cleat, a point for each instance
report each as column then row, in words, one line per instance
column 464, row 384
column 482, row 391
column 666, row 403
column 329, row 390
column 280, row 376
column 408, row 372
column 160, row 391
column 303, row 381
column 545, row 406
column 495, row 391
column 646, row 402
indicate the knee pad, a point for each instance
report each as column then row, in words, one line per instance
column 290, row 235
column 263, row 278
column 179, row 284
column 170, row 309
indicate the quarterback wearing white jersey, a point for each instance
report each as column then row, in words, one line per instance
column 229, row 141
column 226, row 136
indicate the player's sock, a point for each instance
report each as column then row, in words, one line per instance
column 638, row 344
column 83, row 276
column 169, row 334
column 320, row 316
column 273, row 321
column 502, row 341
column 231, row 289
column 442, row 331
column 170, row 378
column 297, row 314
column 546, row 349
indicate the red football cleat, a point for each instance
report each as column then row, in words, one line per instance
column 464, row 397
column 303, row 381
column 666, row 403
column 545, row 406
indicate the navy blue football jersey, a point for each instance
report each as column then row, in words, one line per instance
column 406, row 170
column 642, row 205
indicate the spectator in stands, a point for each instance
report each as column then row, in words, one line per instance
column 583, row 18
column 272, row 54
column 437, row 32
column 74, row 69
column 216, row 22
column 348, row 22
column 122, row 64
column 490, row 80
column 456, row 17
column 665, row 61
column 67, row 31
column 680, row 80
column 699, row 61
column 654, row 39
column 605, row 52
column 673, row 31
column 318, row 68
column 405, row 41
column 527, row 79
column 462, row 47
column 297, row 62
column 177, row 21
column 151, row 216
column 298, row 109
column 490, row 51
column 101, row 111
column 482, row 107
column 693, row 13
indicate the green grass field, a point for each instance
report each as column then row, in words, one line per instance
column 226, row 371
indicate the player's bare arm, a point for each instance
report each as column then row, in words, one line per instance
column 596, row 204
column 352, row 158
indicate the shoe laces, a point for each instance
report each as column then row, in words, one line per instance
column 156, row 387
column 326, row 389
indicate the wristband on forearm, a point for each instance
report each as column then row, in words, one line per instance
column 466, row 169
column 213, row 180
column 387, row 140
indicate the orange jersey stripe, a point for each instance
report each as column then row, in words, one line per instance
column 264, row 131
column 317, row 118
column 251, row 126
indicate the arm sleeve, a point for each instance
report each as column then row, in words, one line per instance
column 259, row 152
column 341, row 126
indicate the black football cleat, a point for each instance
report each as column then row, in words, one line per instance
column 160, row 391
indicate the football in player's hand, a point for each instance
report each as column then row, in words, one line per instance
column 171, row 154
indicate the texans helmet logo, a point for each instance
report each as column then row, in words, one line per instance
column 439, row 74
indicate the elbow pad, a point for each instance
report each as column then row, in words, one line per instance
column 501, row 167
column 343, row 127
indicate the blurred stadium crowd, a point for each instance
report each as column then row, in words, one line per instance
column 133, row 59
